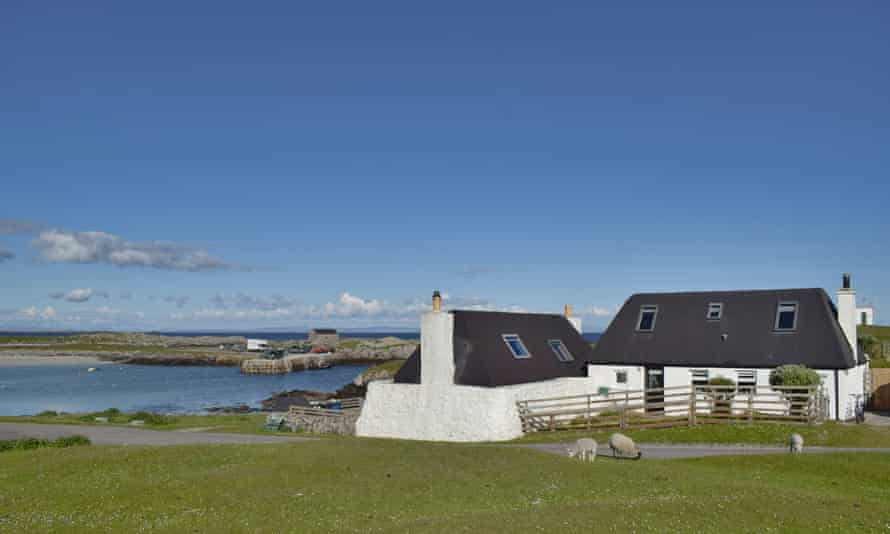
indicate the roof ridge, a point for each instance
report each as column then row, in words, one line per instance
column 727, row 291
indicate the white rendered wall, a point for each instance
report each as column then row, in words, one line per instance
column 851, row 383
column 607, row 376
column 443, row 412
column 869, row 316
column 851, row 390
column 437, row 348
column 846, row 314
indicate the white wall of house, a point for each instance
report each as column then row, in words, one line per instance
column 850, row 388
column 865, row 316
column 448, row 412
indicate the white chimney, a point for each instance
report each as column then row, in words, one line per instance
column 846, row 311
column 437, row 345
column 576, row 321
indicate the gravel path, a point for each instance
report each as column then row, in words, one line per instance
column 112, row 435
column 664, row 452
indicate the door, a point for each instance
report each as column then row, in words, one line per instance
column 655, row 381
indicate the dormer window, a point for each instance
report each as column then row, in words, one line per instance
column 646, row 320
column 786, row 317
column 516, row 346
column 560, row 350
column 715, row 311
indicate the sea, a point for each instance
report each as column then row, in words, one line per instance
column 64, row 387
column 27, row 389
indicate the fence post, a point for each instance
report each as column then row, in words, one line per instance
column 693, row 400
column 622, row 422
column 587, row 415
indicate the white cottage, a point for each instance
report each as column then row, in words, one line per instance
column 463, row 382
column 671, row 339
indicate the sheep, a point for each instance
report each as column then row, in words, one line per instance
column 624, row 447
column 795, row 444
column 583, row 449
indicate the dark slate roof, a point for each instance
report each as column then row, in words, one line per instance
column 481, row 358
column 683, row 336
column 324, row 331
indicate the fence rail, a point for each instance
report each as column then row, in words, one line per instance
column 673, row 406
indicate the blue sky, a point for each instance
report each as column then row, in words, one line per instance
column 229, row 166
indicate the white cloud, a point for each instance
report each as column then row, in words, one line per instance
column 34, row 312
column 59, row 246
column 350, row 305
column 79, row 295
column 598, row 311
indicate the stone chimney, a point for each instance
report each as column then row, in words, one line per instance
column 576, row 321
column 846, row 311
column 437, row 345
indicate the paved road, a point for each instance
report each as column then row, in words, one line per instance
column 658, row 451
column 112, row 435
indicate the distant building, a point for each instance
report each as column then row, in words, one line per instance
column 257, row 345
column 323, row 338
column 865, row 316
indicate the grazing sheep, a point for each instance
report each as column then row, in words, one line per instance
column 624, row 447
column 795, row 444
column 583, row 449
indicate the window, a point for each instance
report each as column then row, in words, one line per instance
column 558, row 348
column 747, row 381
column 786, row 317
column 715, row 311
column 516, row 346
column 699, row 377
column 863, row 318
column 646, row 321
column 621, row 377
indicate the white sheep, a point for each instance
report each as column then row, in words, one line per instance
column 795, row 444
column 583, row 449
column 624, row 447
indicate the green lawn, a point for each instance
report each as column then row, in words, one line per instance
column 236, row 423
column 352, row 485
column 828, row 434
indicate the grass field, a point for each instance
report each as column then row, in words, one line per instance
column 352, row 485
column 235, row 423
column 828, row 434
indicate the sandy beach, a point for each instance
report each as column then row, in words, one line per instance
column 19, row 360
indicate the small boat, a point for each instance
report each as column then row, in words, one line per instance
column 92, row 370
column 324, row 364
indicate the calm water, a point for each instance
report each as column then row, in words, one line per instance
column 31, row 389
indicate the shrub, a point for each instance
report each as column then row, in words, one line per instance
column 33, row 443
column 48, row 413
column 71, row 441
column 722, row 397
column 794, row 375
column 152, row 418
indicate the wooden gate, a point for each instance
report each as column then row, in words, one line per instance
column 880, row 389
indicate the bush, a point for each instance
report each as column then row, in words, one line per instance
column 48, row 413
column 794, row 375
column 71, row 441
column 152, row 418
column 33, row 443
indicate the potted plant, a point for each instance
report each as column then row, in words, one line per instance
column 795, row 375
column 721, row 390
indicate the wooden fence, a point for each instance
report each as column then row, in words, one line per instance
column 673, row 406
